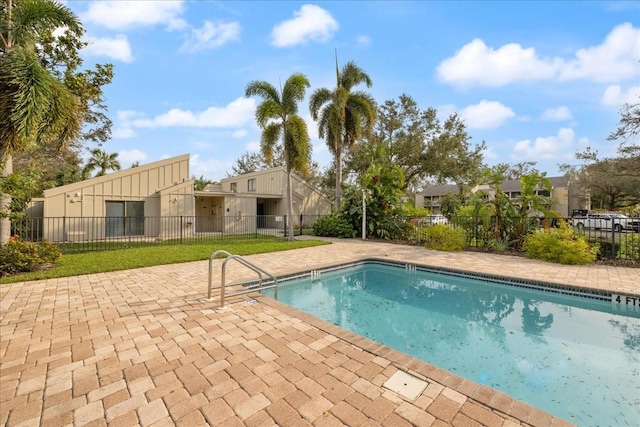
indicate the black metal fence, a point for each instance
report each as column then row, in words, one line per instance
column 75, row 234
column 508, row 233
column 80, row 234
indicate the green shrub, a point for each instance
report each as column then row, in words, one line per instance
column 17, row 256
column 630, row 247
column 333, row 226
column 606, row 248
column 560, row 245
column 444, row 238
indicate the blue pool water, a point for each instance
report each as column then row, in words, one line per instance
column 574, row 357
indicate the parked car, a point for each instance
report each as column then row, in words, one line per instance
column 434, row 219
column 607, row 221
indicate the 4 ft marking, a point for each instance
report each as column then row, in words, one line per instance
column 625, row 302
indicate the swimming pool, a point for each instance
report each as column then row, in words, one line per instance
column 576, row 357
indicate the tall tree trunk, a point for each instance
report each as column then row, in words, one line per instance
column 5, row 199
column 338, row 165
column 290, row 199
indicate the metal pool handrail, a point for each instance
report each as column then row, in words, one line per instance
column 247, row 264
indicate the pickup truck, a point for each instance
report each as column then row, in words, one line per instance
column 607, row 221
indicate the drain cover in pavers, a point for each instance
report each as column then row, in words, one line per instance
column 406, row 385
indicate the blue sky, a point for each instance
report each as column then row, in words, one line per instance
column 537, row 81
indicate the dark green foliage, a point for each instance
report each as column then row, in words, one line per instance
column 512, row 218
column 606, row 248
column 277, row 116
column 560, row 245
column 445, row 238
column 17, row 256
column 630, row 247
column 343, row 116
column 421, row 145
column 625, row 246
column 335, row 225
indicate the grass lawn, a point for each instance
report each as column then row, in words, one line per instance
column 123, row 259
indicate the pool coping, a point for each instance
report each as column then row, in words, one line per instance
column 545, row 286
column 495, row 401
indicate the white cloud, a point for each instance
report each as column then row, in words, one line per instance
column 445, row 110
column 240, row 133
column 363, row 40
column 131, row 156
column 489, row 153
column 614, row 96
column 557, row 114
column 118, row 15
column 311, row 22
column 123, row 132
column 123, row 128
column 253, row 146
column 486, row 115
column 116, row 48
column 236, row 114
column 209, row 168
column 478, row 64
column 614, row 60
column 212, row 35
column 557, row 147
column 312, row 126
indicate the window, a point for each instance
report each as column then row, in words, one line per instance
column 234, row 187
column 251, row 185
column 124, row 219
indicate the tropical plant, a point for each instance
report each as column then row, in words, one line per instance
column 277, row 116
column 36, row 107
column 475, row 219
column 343, row 116
column 512, row 217
column 102, row 161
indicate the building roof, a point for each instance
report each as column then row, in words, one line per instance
column 507, row 186
column 115, row 175
column 440, row 190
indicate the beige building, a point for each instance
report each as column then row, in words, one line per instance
column 130, row 202
column 566, row 200
column 157, row 200
column 261, row 195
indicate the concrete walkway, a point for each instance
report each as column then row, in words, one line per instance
column 144, row 347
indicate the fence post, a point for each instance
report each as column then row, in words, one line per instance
column 285, row 225
column 181, row 228
column 475, row 231
column 364, row 215
column 64, row 231
column 613, row 240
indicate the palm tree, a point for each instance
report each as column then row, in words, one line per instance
column 102, row 161
column 35, row 106
column 277, row 116
column 343, row 116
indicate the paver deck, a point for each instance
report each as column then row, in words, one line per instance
column 144, row 347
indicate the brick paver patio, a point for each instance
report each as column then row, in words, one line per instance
column 144, row 347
